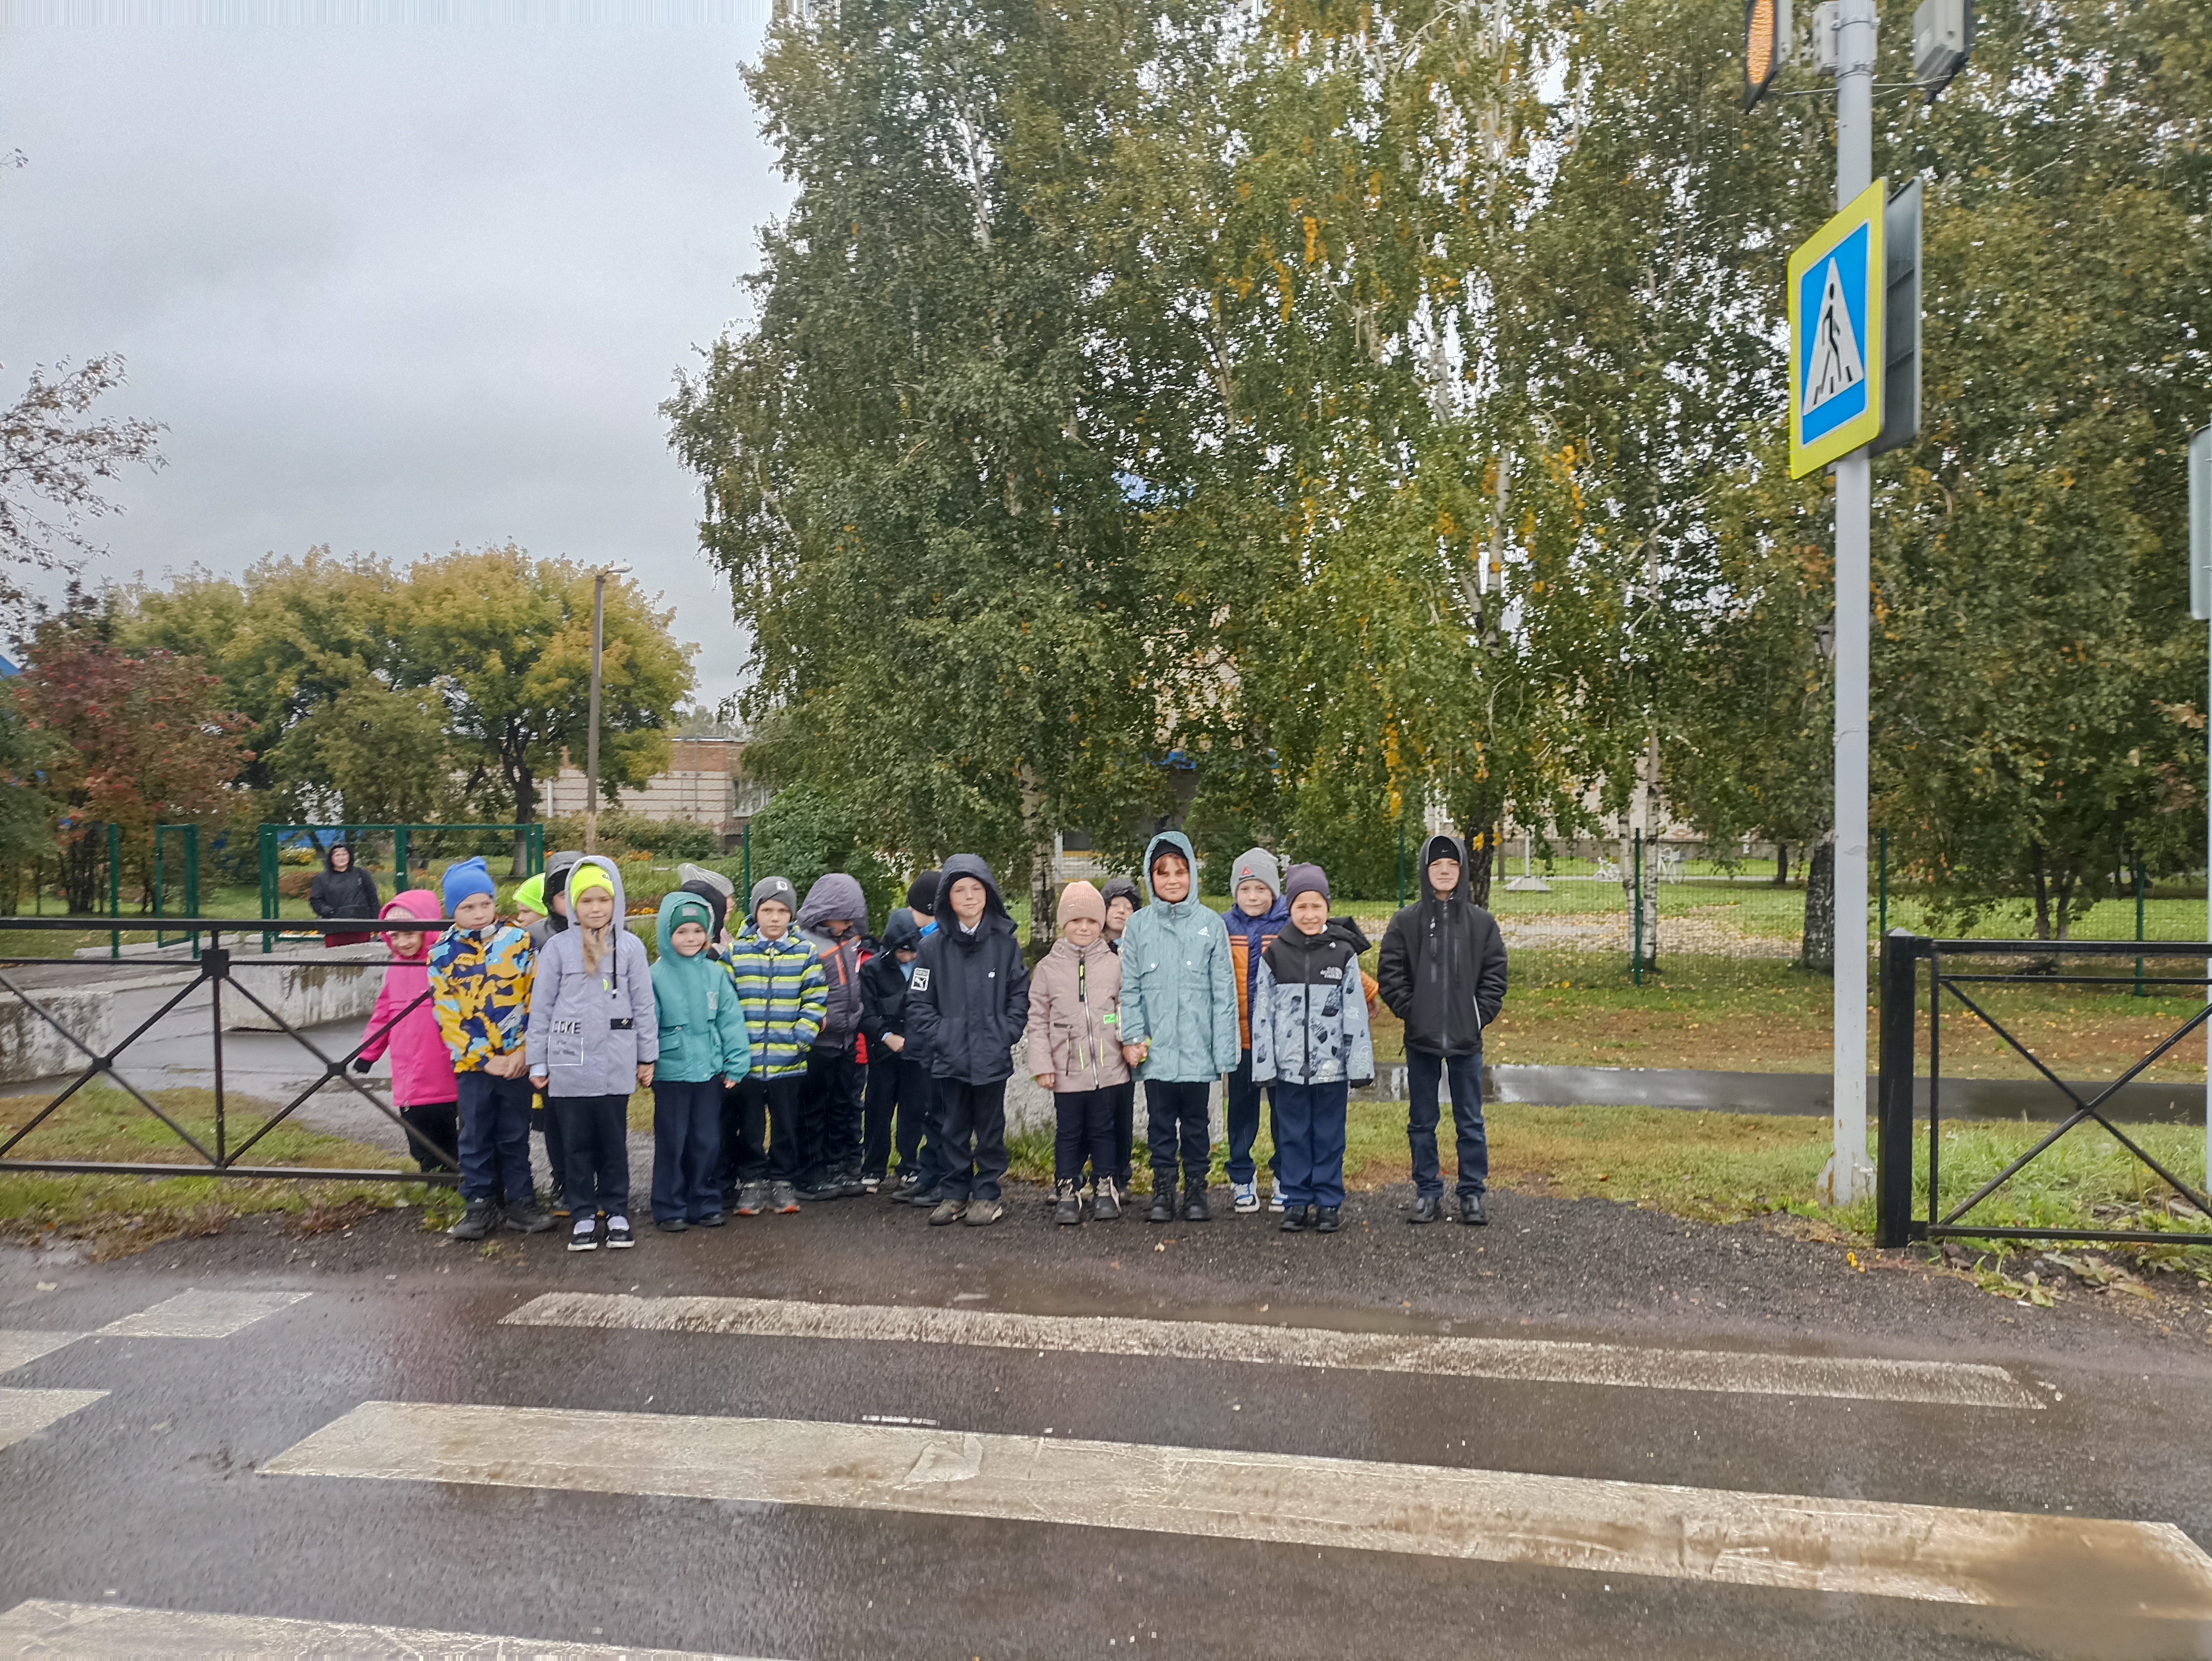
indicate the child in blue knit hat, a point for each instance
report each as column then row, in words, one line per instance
column 480, row 981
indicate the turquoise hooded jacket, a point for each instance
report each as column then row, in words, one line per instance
column 702, row 1023
column 1179, row 983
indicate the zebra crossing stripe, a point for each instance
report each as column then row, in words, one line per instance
column 1772, row 1540
column 1527, row 1360
column 38, row 1626
column 26, row 1412
column 19, row 1348
column 198, row 1314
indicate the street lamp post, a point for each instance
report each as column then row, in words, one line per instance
column 592, row 739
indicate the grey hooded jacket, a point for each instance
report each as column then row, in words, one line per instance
column 836, row 895
column 589, row 1032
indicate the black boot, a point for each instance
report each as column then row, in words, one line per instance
column 1194, row 1207
column 1471, row 1212
column 1067, row 1210
column 1426, row 1209
column 1162, row 1209
column 1294, row 1219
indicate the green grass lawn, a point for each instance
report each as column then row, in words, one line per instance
column 116, row 1215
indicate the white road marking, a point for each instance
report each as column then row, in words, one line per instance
column 18, row 1347
column 26, row 1412
column 1792, row 1541
column 38, row 1626
column 1952, row 1384
column 198, row 1314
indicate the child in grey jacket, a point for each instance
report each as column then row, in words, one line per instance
column 594, row 1035
column 1310, row 1036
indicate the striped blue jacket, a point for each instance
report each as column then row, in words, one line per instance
column 785, row 995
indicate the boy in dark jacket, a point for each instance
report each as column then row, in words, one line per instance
column 966, row 1005
column 1442, row 972
column 898, row 1075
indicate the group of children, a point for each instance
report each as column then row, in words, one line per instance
column 791, row 1058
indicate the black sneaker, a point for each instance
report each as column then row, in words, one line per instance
column 671, row 1225
column 1427, row 1209
column 478, row 1220
column 928, row 1198
column 1295, row 1221
column 619, row 1234
column 1326, row 1219
column 585, row 1237
column 1471, row 1212
column 782, row 1198
column 851, row 1185
column 1067, row 1203
column 526, row 1218
column 711, row 1220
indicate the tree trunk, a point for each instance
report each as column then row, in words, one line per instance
column 1643, row 816
column 1483, row 854
column 2042, row 899
column 1781, row 863
column 2067, row 882
column 1819, row 953
column 525, row 810
column 83, row 863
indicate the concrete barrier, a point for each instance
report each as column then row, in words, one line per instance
column 29, row 1046
column 305, row 989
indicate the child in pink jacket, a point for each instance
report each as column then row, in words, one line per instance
column 405, row 1023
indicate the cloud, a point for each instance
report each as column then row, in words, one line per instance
column 392, row 287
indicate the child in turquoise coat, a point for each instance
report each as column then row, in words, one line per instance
column 703, row 1043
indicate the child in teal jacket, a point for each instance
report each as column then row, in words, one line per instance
column 703, row 1043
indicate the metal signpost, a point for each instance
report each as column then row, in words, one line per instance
column 2200, row 608
column 1854, row 304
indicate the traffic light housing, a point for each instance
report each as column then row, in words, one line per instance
column 1766, row 46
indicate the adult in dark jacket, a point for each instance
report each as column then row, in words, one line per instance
column 1441, row 971
column 966, row 1006
column 342, row 889
column 899, row 1084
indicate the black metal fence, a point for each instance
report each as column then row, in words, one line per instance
column 217, row 969
column 1952, row 973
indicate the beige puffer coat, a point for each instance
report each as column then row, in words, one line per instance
column 1075, row 1018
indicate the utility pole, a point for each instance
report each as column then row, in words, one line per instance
column 592, row 741
column 1851, row 1176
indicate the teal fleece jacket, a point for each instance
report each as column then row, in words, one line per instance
column 1179, row 983
column 702, row 1023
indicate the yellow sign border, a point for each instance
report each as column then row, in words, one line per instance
column 1865, row 210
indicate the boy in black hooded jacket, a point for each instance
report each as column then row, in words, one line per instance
column 966, row 1005
column 899, row 1086
column 1441, row 971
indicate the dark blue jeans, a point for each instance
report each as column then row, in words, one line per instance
column 1242, row 1110
column 1174, row 1122
column 1423, row 1073
column 687, row 1146
column 494, row 1136
column 1309, row 1119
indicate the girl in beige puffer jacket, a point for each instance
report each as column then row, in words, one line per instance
column 1074, row 1037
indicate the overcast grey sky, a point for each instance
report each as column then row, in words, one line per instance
column 392, row 288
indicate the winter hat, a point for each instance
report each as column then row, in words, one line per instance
column 772, row 888
column 1257, row 865
column 717, row 898
column 1123, row 888
column 1080, row 899
column 585, row 878
column 532, row 896
column 1305, row 880
column 464, row 877
column 922, row 892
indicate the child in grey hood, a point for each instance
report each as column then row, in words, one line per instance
column 593, row 1036
column 832, row 919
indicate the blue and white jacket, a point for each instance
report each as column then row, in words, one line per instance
column 1310, row 1009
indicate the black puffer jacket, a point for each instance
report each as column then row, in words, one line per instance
column 347, row 893
column 969, row 997
column 1441, row 969
column 884, row 988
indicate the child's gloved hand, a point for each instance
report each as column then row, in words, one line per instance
column 362, row 1064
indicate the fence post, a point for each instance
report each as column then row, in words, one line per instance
column 114, row 888
column 193, row 882
column 1636, row 908
column 1893, row 1175
column 1882, row 927
column 268, row 886
column 400, row 857
column 161, row 939
column 2139, row 921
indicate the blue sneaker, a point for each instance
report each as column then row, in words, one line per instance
column 1245, row 1196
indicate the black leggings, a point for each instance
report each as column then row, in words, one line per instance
column 1084, row 1125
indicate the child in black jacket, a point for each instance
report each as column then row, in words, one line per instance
column 898, row 1073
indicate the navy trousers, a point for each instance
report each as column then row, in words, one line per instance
column 975, row 1116
column 898, row 1099
column 1309, row 1121
column 1241, row 1109
column 595, row 1130
column 687, row 1148
column 494, row 1136
column 1423, row 1073
column 1083, row 1134
column 1175, row 1122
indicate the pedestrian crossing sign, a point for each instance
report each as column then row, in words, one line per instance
column 1836, row 288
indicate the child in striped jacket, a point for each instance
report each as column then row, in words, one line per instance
column 785, row 995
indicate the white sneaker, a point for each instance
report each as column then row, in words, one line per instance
column 1245, row 1196
column 1275, row 1203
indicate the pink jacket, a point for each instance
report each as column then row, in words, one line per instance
column 422, row 1070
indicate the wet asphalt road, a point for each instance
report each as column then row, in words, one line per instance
column 151, row 1496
